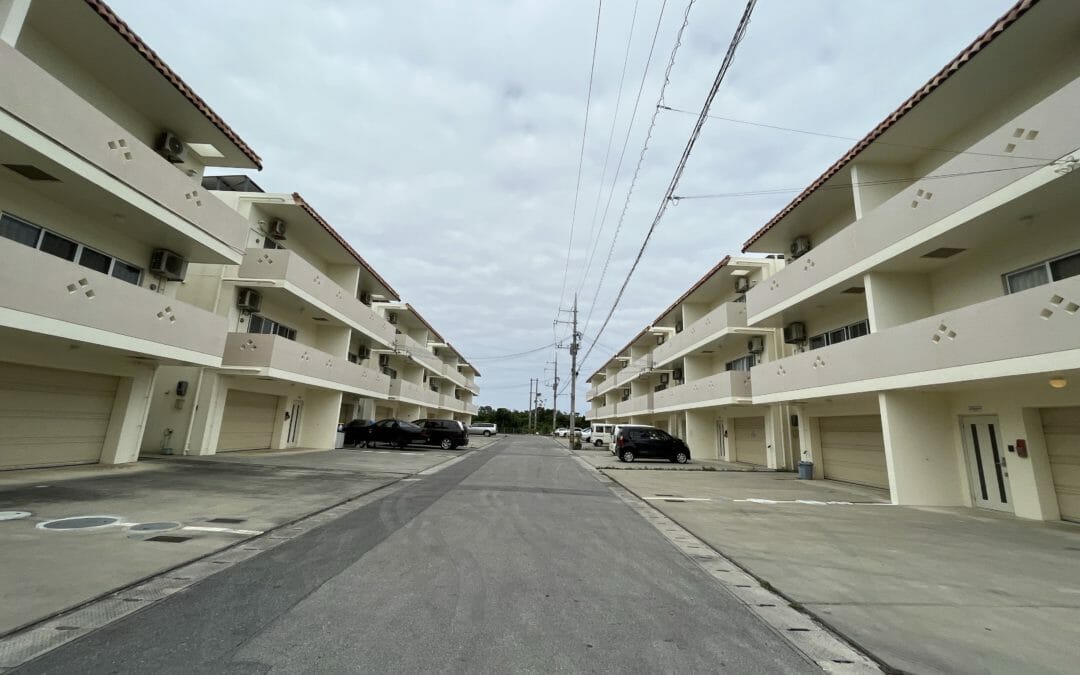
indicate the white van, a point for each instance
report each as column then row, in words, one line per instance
column 615, row 433
column 602, row 434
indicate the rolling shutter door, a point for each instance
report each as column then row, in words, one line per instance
column 248, row 421
column 750, row 440
column 853, row 450
column 1061, row 428
column 52, row 417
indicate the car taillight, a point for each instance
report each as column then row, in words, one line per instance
column 622, row 441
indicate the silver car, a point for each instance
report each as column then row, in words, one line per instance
column 483, row 429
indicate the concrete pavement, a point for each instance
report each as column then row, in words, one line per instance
column 514, row 559
column 925, row 590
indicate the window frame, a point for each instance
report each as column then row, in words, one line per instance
column 844, row 333
column 79, row 248
column 1045, row 265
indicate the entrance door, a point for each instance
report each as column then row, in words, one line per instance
column 294, row 421
column 750, row 440
column 721, row 451
column 986, row 463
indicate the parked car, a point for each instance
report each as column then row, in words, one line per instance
column 356, row 432
column 650, row 443
column 601, row 434
column 561, row 432
column 447, row 434
column 394, row 432
column 586, row 434
column 615, row 433
column 483, row 428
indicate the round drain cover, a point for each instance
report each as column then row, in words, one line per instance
column 154, row 527
column 79, row 523
column 13, row 515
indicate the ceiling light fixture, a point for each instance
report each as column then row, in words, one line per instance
column 1058, row 382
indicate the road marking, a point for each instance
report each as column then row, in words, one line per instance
column 225, row 530
column 678, row 499
column 810, row 502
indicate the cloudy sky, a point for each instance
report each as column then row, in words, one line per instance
column 442, row 138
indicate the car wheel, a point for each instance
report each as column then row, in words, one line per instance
column 446, row 444
column 368, row 444
column 402, row 442
column 627, row 456
column 598, row 443
column 487, row 433
column 680, row 457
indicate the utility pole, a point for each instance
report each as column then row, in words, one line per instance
column 575, row 441
column 528, row 423
column 555, row 394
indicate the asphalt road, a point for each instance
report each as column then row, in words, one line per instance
column 513, row 560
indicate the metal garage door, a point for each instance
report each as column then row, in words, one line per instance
column 248, row 422
column 1061, row 426
column 50, row 417
column 853, row 450
column 750, row 440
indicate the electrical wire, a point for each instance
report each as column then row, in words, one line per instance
column 581, row 155
column 511, row 356
column 641, row 157
column 729, row 57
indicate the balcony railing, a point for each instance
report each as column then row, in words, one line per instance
column 607, row 410
column 724, row 388
column 637, row 405
column 307, row 281
column 164, row 194
column 275, row 356
column 470, row 409
column 970, row 343
column 942, row 201
column 42, row 285
column 708, row 327
column 419, row 393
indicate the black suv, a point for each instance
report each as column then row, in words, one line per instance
column 650, row 443
column 447, row 434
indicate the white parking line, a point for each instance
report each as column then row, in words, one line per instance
column 811, row 502
column 226, row 530
column 678, row 499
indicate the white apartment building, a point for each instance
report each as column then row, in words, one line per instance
column 316, row 337
column 934, row 294
column 102, row 149
column 688, row 372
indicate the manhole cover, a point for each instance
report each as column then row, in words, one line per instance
column 227, row 520
column 14, row 515
column 79, row 523
column 154, row 527
column 169, row 539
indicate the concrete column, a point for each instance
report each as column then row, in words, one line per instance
column 12, row 16
column 123, row 438
column 925, row 468
column 279, row 440
column 318, row 426
column 776, row 438
column 893, row 299
column 701, row 433
column 209, row 410
column 875, row 184
column 810, row 442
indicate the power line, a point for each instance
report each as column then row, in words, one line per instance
column 625, row 144
column 641, row 157
column 848, row 186
column 510, row 356
column 581, row 156
column 851, row 138
column 729, row 57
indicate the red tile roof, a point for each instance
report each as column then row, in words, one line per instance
column 110, row 17
column 1010, row 17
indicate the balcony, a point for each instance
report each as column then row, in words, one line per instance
column 448, row 402
column 287, row 270
column 606, row 411
column 980, row 181
column 470, row 409
column 49, row 295
column 727, row 388
column 414, row 393
column 278, row 357
column 637, row 405
column 1029, row 332
column 727, row 316
column 103, row 168
column 451, row 372
column 591, row 394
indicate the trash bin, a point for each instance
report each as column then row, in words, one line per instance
column 806, row 470
column 339, row 442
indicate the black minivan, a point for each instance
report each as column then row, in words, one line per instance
column 650, row 443
column 447, row 434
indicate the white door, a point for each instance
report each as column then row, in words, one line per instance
column 248, row 421
column 853, row 450
column 50, row 417
column 986, row 463
column 750, row 440
column 1061, row 428
column 295, row 413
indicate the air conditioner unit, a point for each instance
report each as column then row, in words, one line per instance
column 276, row 229
column 171, row 147
column 384, row 360
column 390, row 372
column 248, row 299
column 795, row 332
column 800, row 246
column 756, row 345
column 660, row 339
column 677, row 375
column 391, row 317
column 742, row 284
column 365, row 298
column 164, row 263
column 626, row 391
column 364, row 353
column 678, row 326
column 664, row 377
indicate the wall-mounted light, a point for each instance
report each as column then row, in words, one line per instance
column 1058, row 382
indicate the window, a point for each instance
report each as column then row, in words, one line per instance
column 832, row 337
column 743, row 363
column 1038, row 275
column 261, row 324
column 270, row 243
column 29, row 234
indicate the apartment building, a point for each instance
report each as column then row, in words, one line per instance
column 316, row 337
column 102, row 149
column 933, row 292
column 689, row 372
